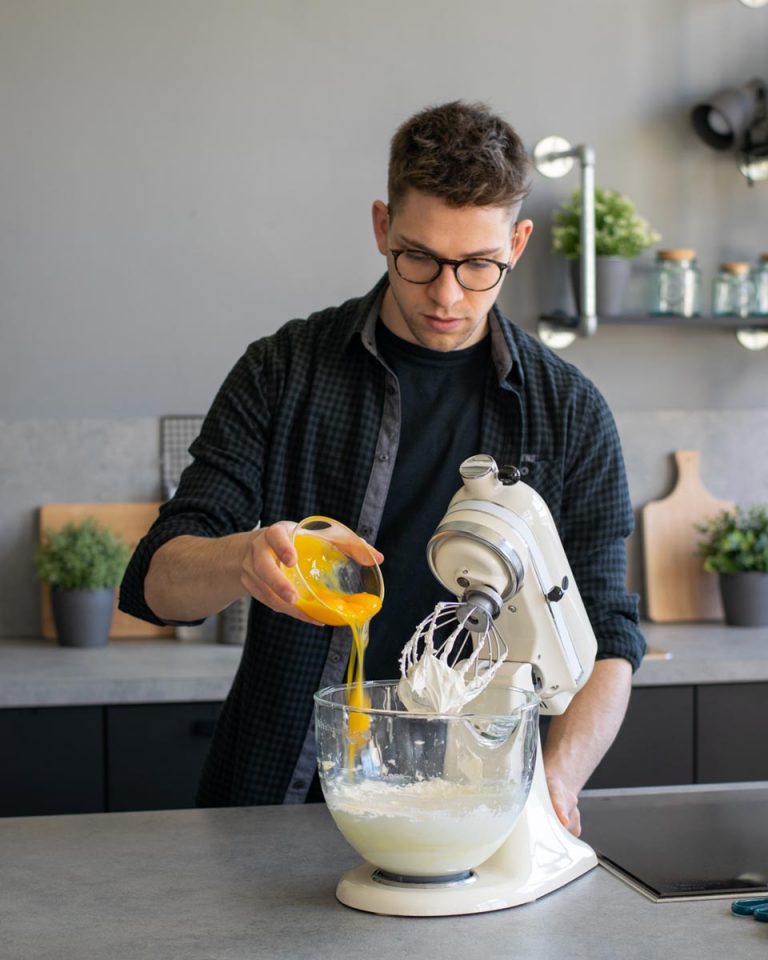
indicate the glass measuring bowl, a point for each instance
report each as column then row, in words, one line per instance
column 336, row 576
column 426, row 795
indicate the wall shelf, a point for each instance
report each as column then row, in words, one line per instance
column 752, row 332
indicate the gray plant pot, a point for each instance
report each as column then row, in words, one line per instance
column 745, row 599
column 82, row 617
column 611, row 281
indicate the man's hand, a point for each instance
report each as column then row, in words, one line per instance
column 578, row 739
column 566, row 804
column 271, row 549
column 262, row 575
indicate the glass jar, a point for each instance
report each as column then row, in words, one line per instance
column 760, row 283
column 676, row 284
column 733, row 290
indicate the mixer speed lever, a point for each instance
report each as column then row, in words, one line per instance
column 557, row 593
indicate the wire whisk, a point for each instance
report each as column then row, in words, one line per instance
column 434, row 678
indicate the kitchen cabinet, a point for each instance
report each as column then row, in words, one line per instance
column 731, row 732
column 92, row 759
column 148, row 756
column 655, row 746
column 155, row 754
column 51, row 761
column 709, row 733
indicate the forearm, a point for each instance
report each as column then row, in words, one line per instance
column 190, row 578
column 578, row 739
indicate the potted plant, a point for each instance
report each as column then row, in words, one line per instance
column 620, row 235
column 735, row 546
column 83, row 563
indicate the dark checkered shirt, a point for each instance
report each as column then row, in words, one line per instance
column 307, row 423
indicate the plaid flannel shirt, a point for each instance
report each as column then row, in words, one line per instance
column 307, row 423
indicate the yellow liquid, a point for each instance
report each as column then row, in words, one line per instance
column 316, row 561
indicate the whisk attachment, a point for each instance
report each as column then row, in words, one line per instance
column 434, row 677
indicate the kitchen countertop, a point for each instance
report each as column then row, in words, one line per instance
column 259, row 883
column 41, row 673
column 704, row 653
column 37, row 672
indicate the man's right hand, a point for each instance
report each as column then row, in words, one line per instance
column 262, row 575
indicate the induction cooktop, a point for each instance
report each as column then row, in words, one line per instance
column 682, row 843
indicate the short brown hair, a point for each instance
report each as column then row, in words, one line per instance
column 460, row 152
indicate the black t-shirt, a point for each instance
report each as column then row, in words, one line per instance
column 441, row 396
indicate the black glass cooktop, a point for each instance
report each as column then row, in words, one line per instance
column 677, row 843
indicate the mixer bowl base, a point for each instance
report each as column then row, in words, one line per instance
column 487, row 889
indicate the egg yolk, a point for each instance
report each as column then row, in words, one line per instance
column 317, row 560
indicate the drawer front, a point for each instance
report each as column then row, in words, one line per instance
column 51, row 761
column 731, row 725
column 156, row 754
column 655, row 744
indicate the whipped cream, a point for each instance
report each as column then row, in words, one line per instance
column 428, row 683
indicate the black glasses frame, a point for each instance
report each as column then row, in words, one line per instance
column 441, row 262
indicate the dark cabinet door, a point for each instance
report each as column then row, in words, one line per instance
column 51, row 761
column 732, row 720
column 156, row 753
column 655, row 744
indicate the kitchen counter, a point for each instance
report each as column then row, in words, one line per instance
column 40, row 673
column 259, row 883
column 36, row 673
column 703, row 653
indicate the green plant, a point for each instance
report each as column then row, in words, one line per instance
column 736, row 542
column 619, row 231
column 82, row 556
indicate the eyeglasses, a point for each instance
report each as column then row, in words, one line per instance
column 476, row 273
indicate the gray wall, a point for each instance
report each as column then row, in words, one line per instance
column 179, row 177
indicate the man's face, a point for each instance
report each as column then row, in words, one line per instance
column 443, row 315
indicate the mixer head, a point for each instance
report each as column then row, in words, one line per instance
column 498, row 550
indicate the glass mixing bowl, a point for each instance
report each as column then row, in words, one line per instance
column 423, row 796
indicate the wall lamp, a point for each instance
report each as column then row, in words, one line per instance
column 553, row 157
column 737, row 118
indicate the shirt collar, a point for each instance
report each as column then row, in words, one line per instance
column 364, row 322
column 504, row 350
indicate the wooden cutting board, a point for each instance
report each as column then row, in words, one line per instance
column 129, row 520
column 676, row 586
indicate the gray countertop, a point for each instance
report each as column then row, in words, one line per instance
column 39, row 673
column 259, row 883
column 704, row 653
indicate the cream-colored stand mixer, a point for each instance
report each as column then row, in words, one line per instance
column 497, row 549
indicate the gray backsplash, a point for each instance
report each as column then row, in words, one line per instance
column 89, row 460
column 63, row 461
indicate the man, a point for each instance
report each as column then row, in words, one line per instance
column 364, row 413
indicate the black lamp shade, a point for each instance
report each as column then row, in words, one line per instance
column 722, row 121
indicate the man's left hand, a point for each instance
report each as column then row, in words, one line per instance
column 566, row 804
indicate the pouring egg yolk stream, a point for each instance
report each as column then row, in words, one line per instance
column 318, row 561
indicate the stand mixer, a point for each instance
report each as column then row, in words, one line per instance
column 518, row 630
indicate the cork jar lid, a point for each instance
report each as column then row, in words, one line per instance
column 676, row 253
column 737, row 267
